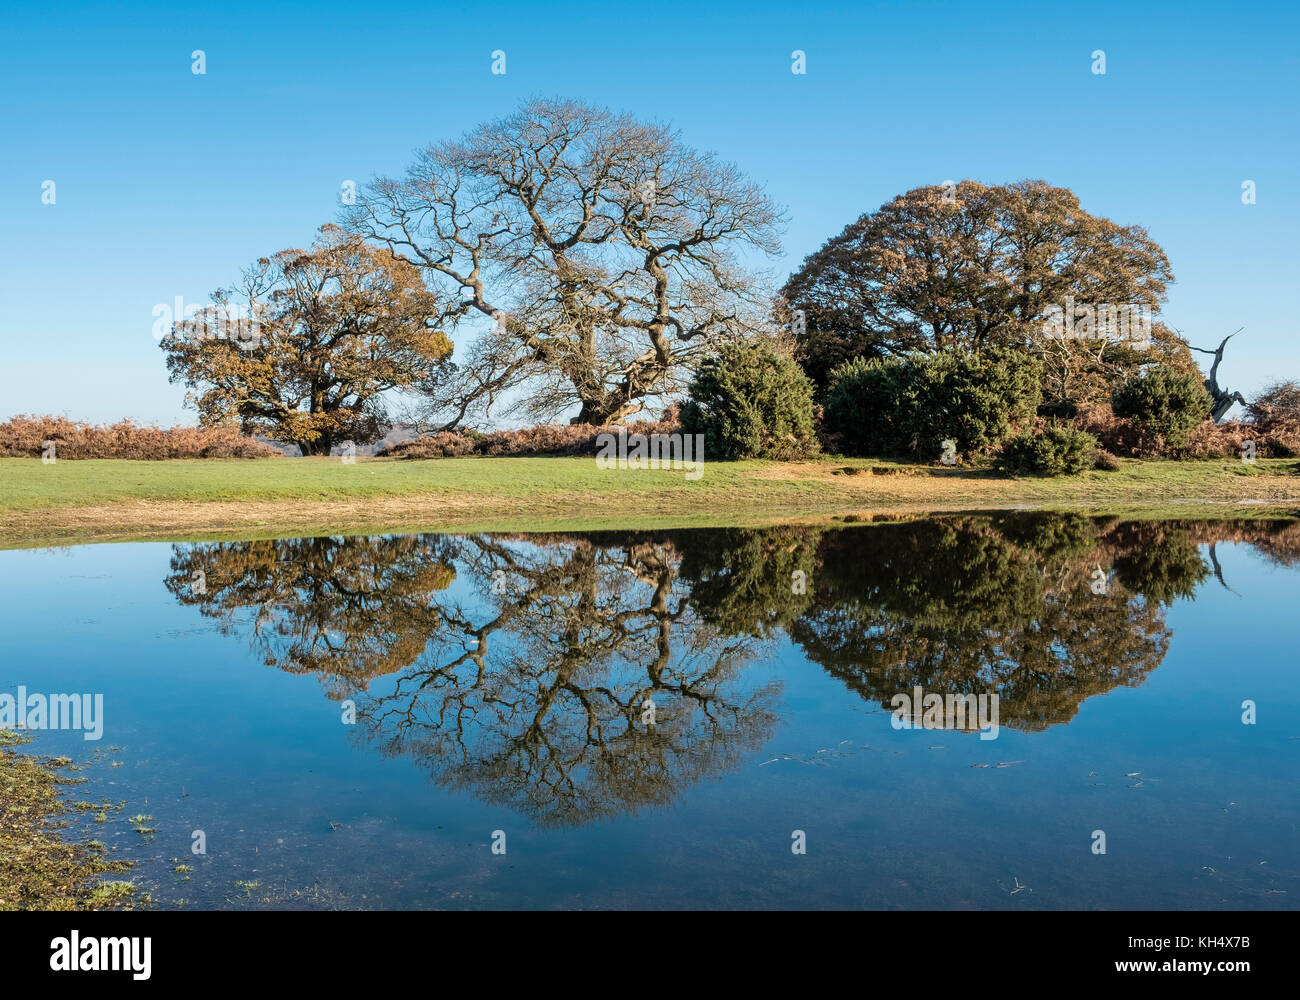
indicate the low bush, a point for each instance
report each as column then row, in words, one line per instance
column 751, row 402
column 1057, row 450
column 909, row 406
column 1164, row 402
column 1104, row 461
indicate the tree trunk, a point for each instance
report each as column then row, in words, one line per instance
column 322, row 445
column 600, row 413
column 1223, row 399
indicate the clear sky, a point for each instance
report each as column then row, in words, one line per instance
column 168, row 182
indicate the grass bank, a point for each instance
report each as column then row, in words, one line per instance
column 106, row 499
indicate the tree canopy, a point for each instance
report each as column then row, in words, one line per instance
column 604, row 251
column 324, row 334
column 967, row 265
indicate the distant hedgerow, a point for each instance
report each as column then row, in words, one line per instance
column 25, row 437
column 554, row 440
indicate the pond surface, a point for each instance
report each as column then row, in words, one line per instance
column 664, row 719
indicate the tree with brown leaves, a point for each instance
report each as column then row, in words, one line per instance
column 309, row 343
column 965, row 265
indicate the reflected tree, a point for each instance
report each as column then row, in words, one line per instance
column 568, row 678
column 750, row 581
column 346, row 609
column 579, row 685
column 580, row 677
column 1021, row 607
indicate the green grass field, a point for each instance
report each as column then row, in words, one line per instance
column 122, row 499
column 25, row 484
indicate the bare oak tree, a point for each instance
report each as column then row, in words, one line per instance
column 606, row 255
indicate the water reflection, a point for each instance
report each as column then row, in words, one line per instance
column 1044, row 611
column 575, row 677
column 575, row 681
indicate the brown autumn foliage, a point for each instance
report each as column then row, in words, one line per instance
column 25, row 437
column 1225, row 440
column 544, row 439
column 1276, row 412
column 1118, row 435
column 1279, row 403
column 969, row 266
column 308, row 345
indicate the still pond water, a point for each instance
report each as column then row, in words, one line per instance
column 645, row 719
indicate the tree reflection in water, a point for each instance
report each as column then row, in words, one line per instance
column 575, row 677
column 575, row 682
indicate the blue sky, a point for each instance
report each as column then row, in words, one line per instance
column 167, row 183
